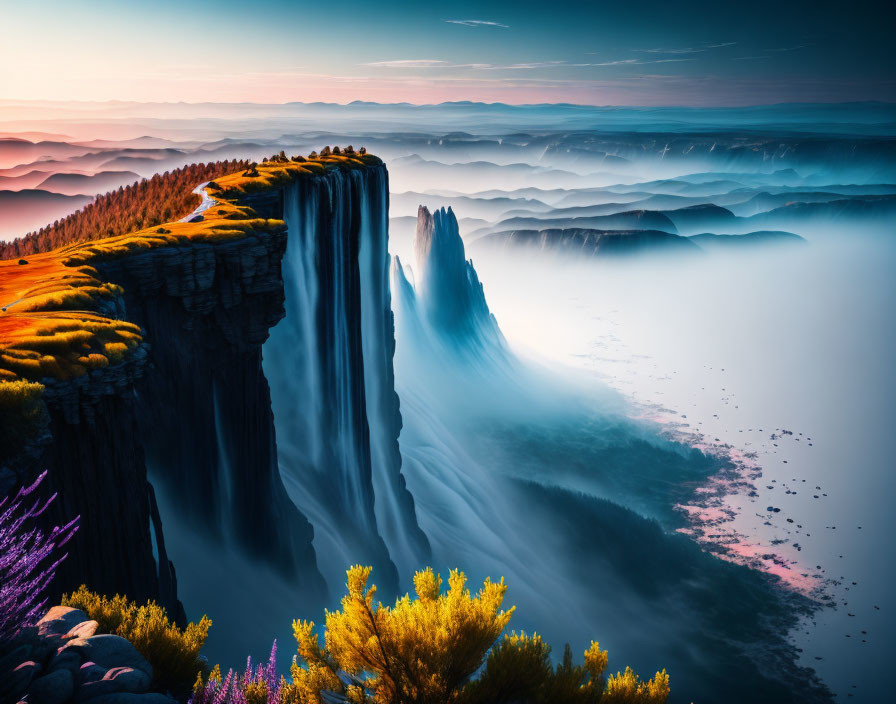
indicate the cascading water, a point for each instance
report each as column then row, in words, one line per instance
column 329, row 364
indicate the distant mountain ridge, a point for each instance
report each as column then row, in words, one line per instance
column 87, row 184
column 25, row 210
column 590, row 243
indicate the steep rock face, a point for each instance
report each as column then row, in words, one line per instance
column 191, row 411
column 448, row 291
column 204, row 403
column 330, row 365
column 94, row 423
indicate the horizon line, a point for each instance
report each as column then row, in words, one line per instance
column 19, row 101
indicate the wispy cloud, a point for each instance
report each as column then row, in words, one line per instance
column 618, row 62
column 478, row 23
column 789, row 48
column 689, row 50
column 635, row 62
column 440, row 64
column 514, row 67
column 411, row 63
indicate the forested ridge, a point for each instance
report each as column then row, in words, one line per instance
column 153, row 201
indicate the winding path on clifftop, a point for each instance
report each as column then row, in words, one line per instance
column 207, row 202
column 37, row 271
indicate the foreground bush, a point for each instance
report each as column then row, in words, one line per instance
column 425, row 651
column 519, row 670
column 257, row 685
column 28, row 559
column 172, row 652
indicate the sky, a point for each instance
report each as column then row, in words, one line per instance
column 597, row 52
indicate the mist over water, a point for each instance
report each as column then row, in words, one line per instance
column 739, row 350
column 611, row 429
column 663, row 408
column 542, row 477
column 658, row 400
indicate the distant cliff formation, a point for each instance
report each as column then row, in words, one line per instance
column 588, row 243
column 447, row 296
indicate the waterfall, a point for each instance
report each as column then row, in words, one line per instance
column 329, row 364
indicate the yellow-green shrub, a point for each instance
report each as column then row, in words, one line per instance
column 172, row 652
column 425, row 650
column 115, row 351
column 628, row 688
column 519, row 670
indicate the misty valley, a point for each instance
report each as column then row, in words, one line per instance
column 635, row 362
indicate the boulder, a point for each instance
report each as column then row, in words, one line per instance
column 130, row 679
column 64, row 613
column 45, row 647
column 91, row 672
column 69, row 656
column 60, row 619
column 15, row 685
column 55, row 687
column 114, row 681
column 109, row 651
column 85, row 629
column 14, row 658
column 129, row 698
column 92, row 690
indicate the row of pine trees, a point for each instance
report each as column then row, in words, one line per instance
column 163, row 198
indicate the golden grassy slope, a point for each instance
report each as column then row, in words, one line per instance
column 49, row 320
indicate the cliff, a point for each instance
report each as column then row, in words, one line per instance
column 443, row 315
column 448, row 288
column 147, row 350
column 330, row 366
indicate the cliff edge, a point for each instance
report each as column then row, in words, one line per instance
column 141, row 356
